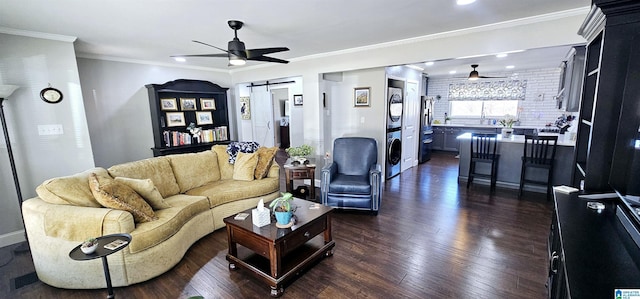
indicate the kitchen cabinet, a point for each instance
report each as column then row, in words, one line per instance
column 450, row 141
column 444, row 137
column 611, row 29
column 438, row 138
column 572, row 74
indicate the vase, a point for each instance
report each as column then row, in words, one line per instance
column 507, row 132
column 283, row 218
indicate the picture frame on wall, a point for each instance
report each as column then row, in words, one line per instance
column 204, row 118
column 168, row 104
column 245, row 107
column 207, row 104
column 175, row 119
column 361, row 97
column 297, row 100
column 188, row 104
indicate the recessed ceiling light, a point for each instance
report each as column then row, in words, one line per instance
column 464, row 2
column 180, row 59
column 452, row 72
column 510, row 66
column 502, row 55
column 429, row 63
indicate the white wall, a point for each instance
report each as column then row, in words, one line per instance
column 33, row 64
column 117, row 105
column 536, row 111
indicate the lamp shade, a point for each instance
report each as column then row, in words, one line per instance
column 7, row 90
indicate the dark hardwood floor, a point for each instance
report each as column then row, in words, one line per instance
column 431, row 239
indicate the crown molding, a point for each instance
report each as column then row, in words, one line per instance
column 49, row 36
column 593, row 24
column 149, row 62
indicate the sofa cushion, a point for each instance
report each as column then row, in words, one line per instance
column 224, row 191
column 146, row 189
column 352, row 184
column 157, row 169
column 115, row 195
column 195, row 169
column 265, row 158
column 170, row 220
column 226, row 168
column 245, row 166
column 71, row 190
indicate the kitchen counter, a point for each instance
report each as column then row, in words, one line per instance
column 510, row 163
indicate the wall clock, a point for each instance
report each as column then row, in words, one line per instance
column 51, row 95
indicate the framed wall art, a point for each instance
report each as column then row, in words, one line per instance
column 175, row 119
column 297, row 100
column 361, row 97
column 207, row 104
column 204, row 118
column 245, row 108
column 187, row 104
column 168, row 104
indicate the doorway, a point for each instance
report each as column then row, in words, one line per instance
column 280, row 103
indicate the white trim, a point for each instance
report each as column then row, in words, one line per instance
column 51, row 36
column 12, row 238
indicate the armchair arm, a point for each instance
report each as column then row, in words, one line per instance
column 375, row 179
column 328, row 171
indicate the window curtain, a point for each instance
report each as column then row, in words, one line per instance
column 494, row 90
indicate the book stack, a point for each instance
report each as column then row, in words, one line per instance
column 175, row 138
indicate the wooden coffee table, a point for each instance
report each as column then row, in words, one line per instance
column 277, row 255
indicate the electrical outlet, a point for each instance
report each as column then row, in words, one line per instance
column 50, row 130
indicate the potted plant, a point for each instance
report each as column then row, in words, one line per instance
column 299, row 153
column 282, row 208
column 507, row 124
column 89, row 245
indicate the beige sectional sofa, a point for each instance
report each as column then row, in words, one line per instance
column 196, row 191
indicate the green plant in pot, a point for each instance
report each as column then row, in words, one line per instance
column 282, row 208
column 299, row 153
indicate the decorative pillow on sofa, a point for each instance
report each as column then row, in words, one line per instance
column 114, row 195
column 195, row 169
column 245, row 166
column 226, row 168
column 157, row 169
column 71, row 190
column 240, row 147
column 146, row 189
column 265, row 158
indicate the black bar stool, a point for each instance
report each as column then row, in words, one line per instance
column 539, row 152
column 483, row 150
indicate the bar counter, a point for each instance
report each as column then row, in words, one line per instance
column 510, row 163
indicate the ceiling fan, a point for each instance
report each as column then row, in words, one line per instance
column 236, row 51
column 474, row 75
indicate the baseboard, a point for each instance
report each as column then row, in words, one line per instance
column 12, row 238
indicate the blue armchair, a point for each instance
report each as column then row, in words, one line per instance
column 353, row 180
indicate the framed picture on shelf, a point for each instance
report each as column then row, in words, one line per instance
column 361, row 97
column 175, row 119
column 168, row 104
column 187, row 104
column 297, row 100
column 245, row 108
column 207, row 104
column 204, row 118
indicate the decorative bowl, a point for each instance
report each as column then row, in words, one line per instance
column 89, row 249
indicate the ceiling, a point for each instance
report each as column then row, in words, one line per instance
column 153, row 30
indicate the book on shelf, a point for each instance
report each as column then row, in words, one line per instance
column 175, row 138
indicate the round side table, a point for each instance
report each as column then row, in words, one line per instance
column 101, row 252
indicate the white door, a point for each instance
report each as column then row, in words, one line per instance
column 262, row 118
column 279, row 98
column 409, row 126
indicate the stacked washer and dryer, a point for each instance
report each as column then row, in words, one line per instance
column 394, row 132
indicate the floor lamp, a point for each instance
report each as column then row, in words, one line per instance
column 5, row 92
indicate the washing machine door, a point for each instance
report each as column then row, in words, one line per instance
column 395, row 106
column 395, row 151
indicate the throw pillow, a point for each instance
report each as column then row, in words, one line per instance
column 114, row 195
column 240, row 147
column 147, row 190
column 245, row 166
column 226, row 168
column 265, row 158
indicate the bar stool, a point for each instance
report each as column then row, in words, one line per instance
column 483, row 150
column 539, row 152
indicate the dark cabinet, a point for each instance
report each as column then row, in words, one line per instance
column 450, row 141
column 438, row 138
column 571, row 80
column 176, row 105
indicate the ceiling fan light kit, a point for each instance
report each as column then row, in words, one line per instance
column 236, row 51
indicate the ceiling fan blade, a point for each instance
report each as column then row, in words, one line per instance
column 485, row 77
column 202, row 43
column 264, row 51
column 202, row 55
column 268, row 59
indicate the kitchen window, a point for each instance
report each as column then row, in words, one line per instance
column 491, row 108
